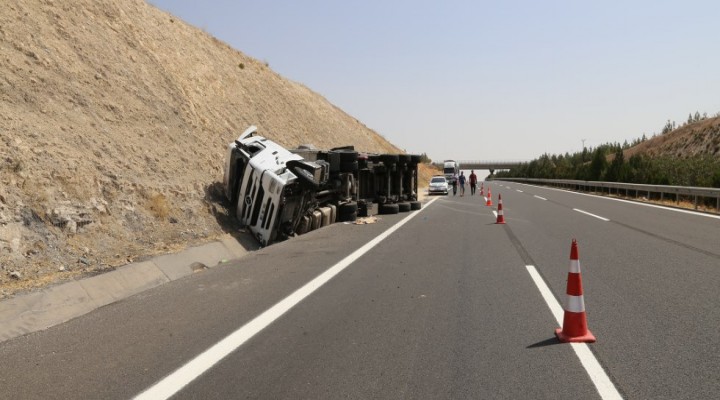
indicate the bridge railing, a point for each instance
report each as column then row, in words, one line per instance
column 485, row 164
column 676, row 193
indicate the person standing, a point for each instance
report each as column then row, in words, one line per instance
column 454, row 184
column 473, row 182
column 462, row 184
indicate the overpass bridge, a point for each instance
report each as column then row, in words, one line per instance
column 491, row 165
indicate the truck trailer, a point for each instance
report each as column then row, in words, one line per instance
column 279, row 193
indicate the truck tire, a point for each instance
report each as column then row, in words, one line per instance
column 362, row 210
column 389, row 209
column 347, row 212
column 404, row 206
column 415, row 205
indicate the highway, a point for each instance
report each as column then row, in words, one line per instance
column 435, row 304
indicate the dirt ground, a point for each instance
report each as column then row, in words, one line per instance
column 114, row 120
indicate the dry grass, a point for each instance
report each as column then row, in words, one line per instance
column 668, row 202
column 159, row 206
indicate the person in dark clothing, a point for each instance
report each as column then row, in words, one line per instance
column 462, row 184
column 454, row 184
column 473, row 182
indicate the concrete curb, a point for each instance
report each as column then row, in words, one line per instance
column 57, row 304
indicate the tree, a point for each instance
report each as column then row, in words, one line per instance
column 667, row 128
column 598, row 165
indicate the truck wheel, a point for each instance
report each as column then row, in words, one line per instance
column 347, row 212
column 389, row 209
column 404, row 206
column 363, row 210
column 415, row 205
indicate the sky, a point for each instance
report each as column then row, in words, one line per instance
column 486, row 80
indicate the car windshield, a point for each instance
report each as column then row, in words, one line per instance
column 438, row 180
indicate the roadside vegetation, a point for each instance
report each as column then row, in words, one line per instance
column 692, row 158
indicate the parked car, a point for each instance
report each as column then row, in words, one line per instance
column 438, row 184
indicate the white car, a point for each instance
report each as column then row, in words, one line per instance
column 438, row 184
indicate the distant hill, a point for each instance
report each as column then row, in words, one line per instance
column 115, row 117
column 700, row 138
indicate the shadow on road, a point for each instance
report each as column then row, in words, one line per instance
column 547, row 342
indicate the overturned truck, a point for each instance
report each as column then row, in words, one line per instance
column 278, row 193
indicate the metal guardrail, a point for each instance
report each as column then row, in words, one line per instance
column 674, row 192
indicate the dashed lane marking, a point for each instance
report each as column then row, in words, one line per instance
column 592, row 215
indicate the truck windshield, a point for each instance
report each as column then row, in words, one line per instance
column 449, row 170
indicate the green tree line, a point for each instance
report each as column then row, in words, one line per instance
column 607, row 163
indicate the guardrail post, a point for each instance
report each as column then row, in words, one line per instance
column 696, row 202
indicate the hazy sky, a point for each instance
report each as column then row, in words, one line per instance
column 486, row 79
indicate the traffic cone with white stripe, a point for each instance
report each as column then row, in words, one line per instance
column 500, row 215
column 574, row 327
column 489, row 199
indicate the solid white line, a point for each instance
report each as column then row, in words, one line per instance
column 519, row 191
column 174, row 382
column 592, row 215
column 602, row 382
column 541, row 198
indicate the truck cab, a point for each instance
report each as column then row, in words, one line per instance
column 451, row 169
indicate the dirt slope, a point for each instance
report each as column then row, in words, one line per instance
column 695, row 139
column 114, row 117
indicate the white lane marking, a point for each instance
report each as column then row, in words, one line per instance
column 174, row 382
column 495, row 213
column 637, row 203
column 519, row 191
column 541, row 198
column 602, row 382
column 592, row 215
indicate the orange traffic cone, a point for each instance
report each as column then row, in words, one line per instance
column 574, row 327
column 489, row 199
column 500, row 215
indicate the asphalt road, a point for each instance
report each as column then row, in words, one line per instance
column 443, row 307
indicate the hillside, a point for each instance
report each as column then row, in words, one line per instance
column 695, row 139
column 115, row 117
